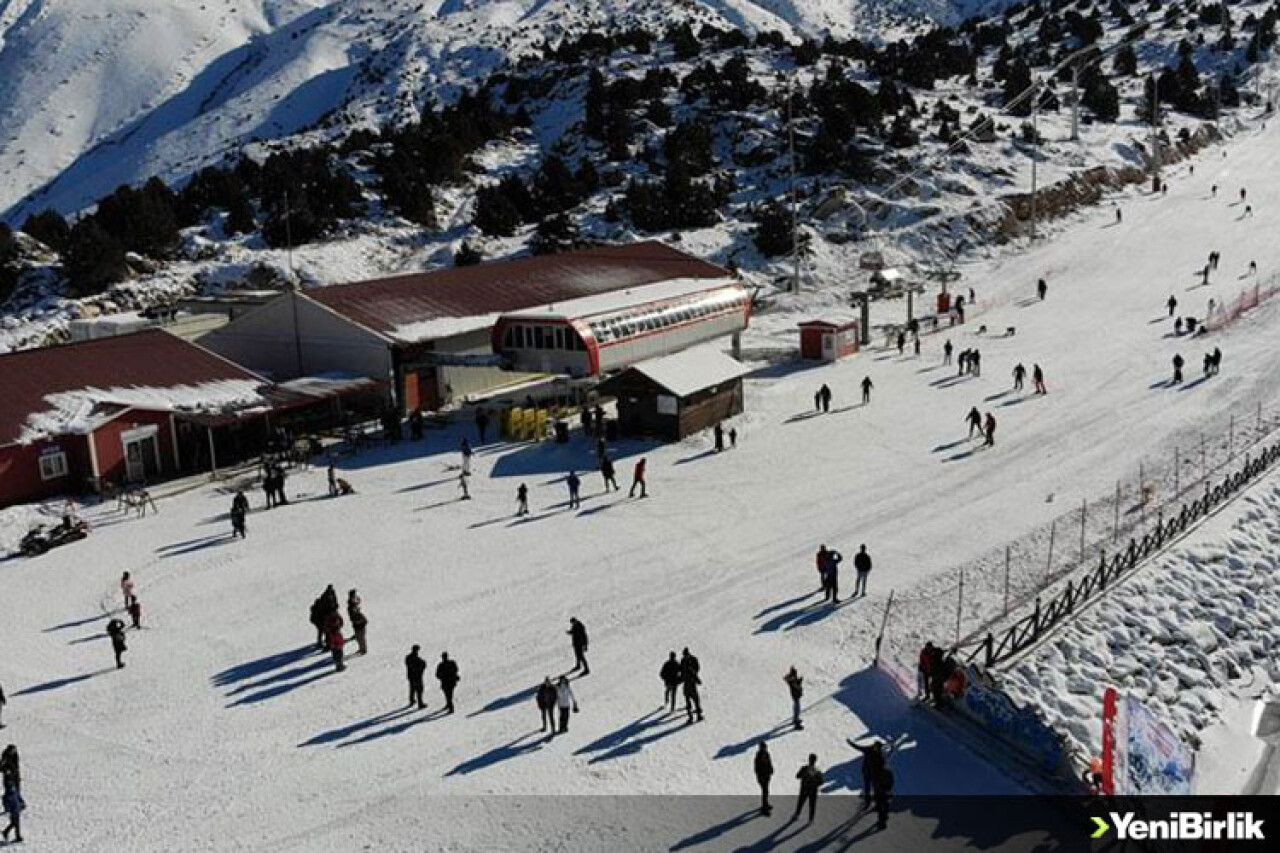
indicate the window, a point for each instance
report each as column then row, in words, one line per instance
column 53, row 465
column 559, row 333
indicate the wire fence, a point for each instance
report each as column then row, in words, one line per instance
column 958, row 608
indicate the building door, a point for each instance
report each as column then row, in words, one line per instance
column 829, row 346
column 141, row 454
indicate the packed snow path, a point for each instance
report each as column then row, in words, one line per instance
column 226, row 727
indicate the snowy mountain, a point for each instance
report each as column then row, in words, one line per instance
column 116, row 91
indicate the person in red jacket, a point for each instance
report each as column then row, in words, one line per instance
column 336, row 642
column 638, row 480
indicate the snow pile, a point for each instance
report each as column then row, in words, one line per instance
column 1187, row 635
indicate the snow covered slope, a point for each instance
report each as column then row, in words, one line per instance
column 110, row 92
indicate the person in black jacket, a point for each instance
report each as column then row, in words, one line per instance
column 873, row 765
column 415, row 667
column 671, row 678
column 810, row 781
column 447, row 675
column 546, row 699
column 578, row 637
column 608, row 473
column 861, row 562
column 691, row 678
column 764, row 772
column 115, row 630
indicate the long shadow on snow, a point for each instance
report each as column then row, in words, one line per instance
column 398, row 728
column 507, row 751
column 346, row 731
column 790, row 601
column 77, row 623
column 507, row 701
column 550, row 458
column 803, row 616
column 634, row 736
column 729, row 750
column 713, row 832
column 261, row 666
column 210, row 542
column 57, row 683
column 278, row 690
column 284, row 675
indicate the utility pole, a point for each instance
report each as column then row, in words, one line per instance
column 1155, row 129
column 795, row 207
column 1035, row 145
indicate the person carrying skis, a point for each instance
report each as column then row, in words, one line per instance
column 414, row 669
column 795, row 686
column 574, row 484
column 564, row 702
column 974, row 419
column 671, row 678
column 764, row 773
column 447, row 675
column 609, row 474
column 989, row 430
column 862, row 563
column 1177, row 367
column 810, row 781
column 546, row 701
column 866, row 390
column 522, row 500
column 691, row 679
column 1037, row 376
column 359, row 622
column 637, row 480
column 1019, row 373
column 578, row 637
column 115, row 630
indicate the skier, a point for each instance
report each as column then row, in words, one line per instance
column 135, row 613
column 825, row 394
column 1243, row 193
column 718, row 432
column 637, row 480
column 546, row 701
column 115, row 630
column 336, row 643
column 564, row 702
column 578, row 637
column 126, row 588
column 974, row 419
column 691, row 678
column 764, row 772
column 239, row 509
column 810, row 781
column 608, row 473
column 795, row 685
column 359, row 622
column 572, row 481
column 1019, row 373
column 671, row 678
column 866, row 390
column 862, row 563
column 1248, row 210
column 989, row 430
column 1177, row 367
column 1037, row 376
column 414, row 668
column 447, row 675
column 482, row 423
column 1042, row 289
column 1173, row 304
column 946, row 353
column 466, row 456
column 522, row 500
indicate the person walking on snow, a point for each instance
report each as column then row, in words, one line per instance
column 718, row 433
column 126, row 588
column 671, row 678
column 414, row 668
column 14, row 805
column 462, row 486
column 239, row 510
column 1042, row 288
column 578, row 637
column 574, row 484
column 862, row 563
column 546, row 701
column 466, row 457
column 359, row 622
column 764, row 773
column 115, row 630
column 522, row 500
column 824, row 393
column 447, row 675
column 564, row 702
column 1172, row 304
column 795, row 686
column 866, row 390
column 135, row 613
column 1037, row 376
column 946, row 353
column 1019, row 373
column 902, row 341
column 974, row 419
column 637, row 480
column 821, row 561
column 989, row 430
column 810, row 781
column 691, row 678
column 609, row 474
column 1177, row 368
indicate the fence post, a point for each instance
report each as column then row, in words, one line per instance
column 990, row 643
column 959, row 606
column 1142, row 492
column 1177, row 473
column 1102, row 572
column 1007, row 558
column 1204, row 459
column 1084, row 514
column 1035, row 620
column 1115, row 524
column 1048, row 566
column 1231, row 439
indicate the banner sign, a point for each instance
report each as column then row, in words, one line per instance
column 1149, row 757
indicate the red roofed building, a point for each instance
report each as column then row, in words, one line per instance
column 418, row 332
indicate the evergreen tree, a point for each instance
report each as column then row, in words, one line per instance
column 496, row 214
column 94, row 258
column 10, row 255
column 49, row 228
column 558, row 233
column 773, row 236
column 467, row 255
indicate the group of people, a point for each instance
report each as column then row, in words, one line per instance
column 326, row 617
column 936, row 671
column 446, row 673
column 1037, row 378
column 685, row 674
column 983, row 426
column 828, row 562
column 877, row 781
column 273, row 477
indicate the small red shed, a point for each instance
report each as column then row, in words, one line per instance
column 824, row 340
